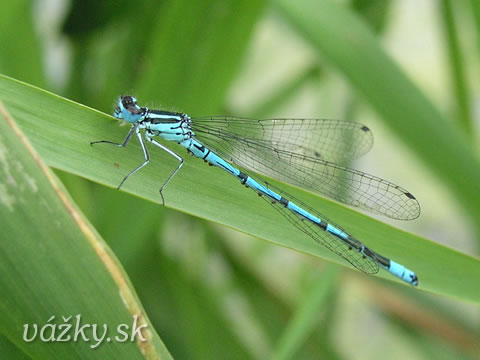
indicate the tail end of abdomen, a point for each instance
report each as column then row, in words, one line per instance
column 403, row 273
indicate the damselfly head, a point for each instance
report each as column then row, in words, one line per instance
column 128, row 110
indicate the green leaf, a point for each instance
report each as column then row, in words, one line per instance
column 280, row 96
column 475, row 11
column 459, row 86
column 10, row 351
column 54, row 264
column 375, row 12
column 61, row 132
column 20, row 59
column 194, row 67
column 306, row 316
column 344, row 40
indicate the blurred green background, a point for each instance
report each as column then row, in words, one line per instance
column 212, row 292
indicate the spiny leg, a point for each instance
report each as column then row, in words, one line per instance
column 176, row 156
column 145, row 154
column 125, row 142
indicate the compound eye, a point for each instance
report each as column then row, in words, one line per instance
column 129, row 101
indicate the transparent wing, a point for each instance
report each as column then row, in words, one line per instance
column 362, row 263
column 332, row 140
column 304, row 152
